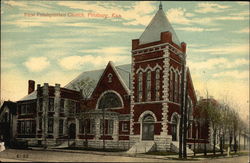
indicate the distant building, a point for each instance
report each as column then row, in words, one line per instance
column 8, row 121
column 138, row 102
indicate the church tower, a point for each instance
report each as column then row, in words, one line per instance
column 156, row 74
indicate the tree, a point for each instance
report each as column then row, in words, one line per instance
column 209, row 109
column 86, row 87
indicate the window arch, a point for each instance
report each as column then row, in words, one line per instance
column 140, row 86
column 109, row 100
column 157, row 84
column 148, row 86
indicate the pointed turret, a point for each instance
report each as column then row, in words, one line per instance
column 158, row 24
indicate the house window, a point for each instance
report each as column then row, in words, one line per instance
column 108, row 127
column 140, row 87
column 72, row 108
column 62, row 105
column 124, row 127
column 157, row 84
column 50, row 125
column 40, row 123
column 51, row 104
column 101, row 127
column 23, row 109
column 40, row 104
column 22, row 127
column 61, row 127
column 87, row 125
column 148, row 86
column 81, row 126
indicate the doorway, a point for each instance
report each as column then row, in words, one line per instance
column 72, row 131
column 148, row 128
column 174, row 128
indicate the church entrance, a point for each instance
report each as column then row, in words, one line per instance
column 174, row 128
column 148, row 128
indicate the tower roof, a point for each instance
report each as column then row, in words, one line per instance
column 158, row 24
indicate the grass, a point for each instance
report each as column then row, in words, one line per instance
column 94, row 149
column 161, row 153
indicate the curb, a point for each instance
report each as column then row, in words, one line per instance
column 130, row 155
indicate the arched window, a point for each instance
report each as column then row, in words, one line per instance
column 157, row 84
column 172, row 85
column 189, row 109
column 179, row 89
column 109, row 100
column 176, row 91
column 148, row 86
column 140, row 86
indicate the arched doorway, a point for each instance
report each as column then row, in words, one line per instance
column 174, row 128
column 72, row 131
column 148, row 127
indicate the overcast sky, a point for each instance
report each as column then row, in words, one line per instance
column 55, row 41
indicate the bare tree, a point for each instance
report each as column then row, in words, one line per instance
column 86, row 87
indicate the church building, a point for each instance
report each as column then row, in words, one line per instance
column 127, row 105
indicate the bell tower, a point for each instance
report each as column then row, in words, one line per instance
column 154, row 54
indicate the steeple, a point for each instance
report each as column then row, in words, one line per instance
column 160, row 6
column 158, row 24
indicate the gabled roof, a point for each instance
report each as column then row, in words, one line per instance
column 30, row 96
column 123, row 70
column 158, row 24
column 11, row 105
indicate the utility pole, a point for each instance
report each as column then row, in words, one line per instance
column 185, row 123
column 103, row 127
column 182, row 105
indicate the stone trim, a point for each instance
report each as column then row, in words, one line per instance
column 157, row 66
column 109, row 91
column 171, row 48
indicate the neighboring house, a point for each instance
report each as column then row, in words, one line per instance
column 136, row 102
column 8, row 117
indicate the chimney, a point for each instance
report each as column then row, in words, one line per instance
column 31, row 86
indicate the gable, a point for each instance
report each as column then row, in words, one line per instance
column 95, row 75
column 111, row 80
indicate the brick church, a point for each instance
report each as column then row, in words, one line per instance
column 127, row 105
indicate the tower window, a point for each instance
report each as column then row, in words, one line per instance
column 176, row 85
column 172, row 85
column 140, row 87
column 148, row 86
column 157, row 84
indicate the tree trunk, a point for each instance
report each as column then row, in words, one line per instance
column 214, row 141
column 221, row 145
column 239, row 141
column 230, row 141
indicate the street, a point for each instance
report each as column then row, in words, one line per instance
column 11, row 155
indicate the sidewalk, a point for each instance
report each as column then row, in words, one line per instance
column 165, row 157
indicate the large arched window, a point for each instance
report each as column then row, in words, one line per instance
column 109, row 100
column 148, row 86
column 140, row 86
column 157, row 84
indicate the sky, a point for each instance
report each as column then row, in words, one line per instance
column 54, row 41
